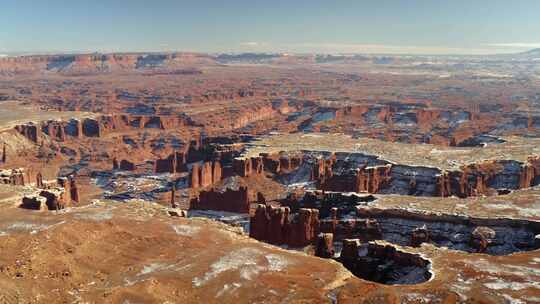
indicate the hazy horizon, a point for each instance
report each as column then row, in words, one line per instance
column 360, row 27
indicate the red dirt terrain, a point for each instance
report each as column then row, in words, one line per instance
column 189, row 178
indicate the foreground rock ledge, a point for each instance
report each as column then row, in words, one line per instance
column 110, row 253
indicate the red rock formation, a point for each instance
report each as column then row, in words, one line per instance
column 55, row 198
column 287, row 163
column 39, row 181
column 426, row 118
column 30, row 131
column 4, row 155
column 271, row 163
column 194, row 176
column 272, row 224
column 530, row 172
column 481, row 237
column 74, row 190
column 172, row 198
column 385, row 115
column 126, row 165
column 99, row 126
column 15, row 177
column 349, row 250
column 258, row 223
column 115, row 164
column 55, row 130
column 322, row 169
column 205, row 174
column 419, row 235
column 208, row 174
column 91, row 128
column 365, row 179
column 70, row 190
column 230, row 200
column 372, row 179
column 176, row 162
column 278, row 221
column 334, row 217
column 257, row 165
column 34, row 202
column 354, row 111
column 304, row 228
column 217, row 172
column 325, row 245
column 470, row 180
column 242, row 166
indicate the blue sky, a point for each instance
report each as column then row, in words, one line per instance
column 353, row 26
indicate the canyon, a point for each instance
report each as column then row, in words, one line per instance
column 186, row 177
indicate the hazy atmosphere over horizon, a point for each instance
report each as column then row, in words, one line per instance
column 413, row 27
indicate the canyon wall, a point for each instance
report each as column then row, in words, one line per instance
column 230, row 200
column 276, row 225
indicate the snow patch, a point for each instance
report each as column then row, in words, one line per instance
column 276, row 262
column 98, row 216
column 186, row 230
column 229, row 288
column 247, row 262
column 151, row 268
column 501, row 284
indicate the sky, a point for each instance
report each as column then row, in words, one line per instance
column 310, row 26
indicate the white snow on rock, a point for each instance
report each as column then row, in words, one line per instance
column 186, row 230
column 249, row 262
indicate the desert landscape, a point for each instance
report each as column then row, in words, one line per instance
column 269, row 178
column 269, row 152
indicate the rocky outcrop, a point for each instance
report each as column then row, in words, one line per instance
column 349, row 250
column 270, row 224
column 276, row 225
column 481, row 238
column 59, row 130
column 71, row 191
column 304, row 227
column 3, row 158
column 530, row 172
column 207, row 174
column 55, row 130
column 56, row 198
column 172, row 164
column 172, row 200
column 91, row 128
column 384, row 263
column 39, row 181
column 30, row 130
column 242, row 166
column 488, row 177
column 419, row 235
column 229, row 200
column 126, row 165
column 453, row 231
column 372, row 179
column 92, row 64
column 34, row 202
column 364, row 173
column 15, row 177
column 52, row 197
column 258, row 224
column 325, row 245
